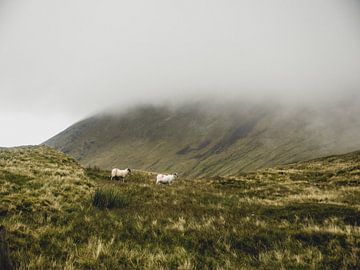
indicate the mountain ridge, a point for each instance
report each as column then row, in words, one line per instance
column 202, row 140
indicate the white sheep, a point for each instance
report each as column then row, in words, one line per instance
column 120, row 173
column 165, row 178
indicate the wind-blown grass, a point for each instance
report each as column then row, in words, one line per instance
column 106, row 197
column 60, row 216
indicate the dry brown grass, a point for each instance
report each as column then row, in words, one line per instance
column 299, row 216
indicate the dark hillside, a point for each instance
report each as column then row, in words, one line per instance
column 208, row 140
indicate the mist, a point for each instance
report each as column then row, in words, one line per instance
column 61, row 61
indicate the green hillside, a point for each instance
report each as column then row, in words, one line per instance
column 205, row 140
column 60, row 216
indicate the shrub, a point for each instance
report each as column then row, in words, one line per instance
column 107, row 197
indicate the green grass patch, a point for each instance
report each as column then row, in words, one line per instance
column 18, row 179
column 109, row 197
column 316, row 211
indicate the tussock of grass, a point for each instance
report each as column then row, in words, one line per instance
column 109, row 198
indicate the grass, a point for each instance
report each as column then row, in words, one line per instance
column 61, row 216
column 109, row 198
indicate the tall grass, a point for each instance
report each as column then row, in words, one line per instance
column 58, row 216
column 109, row 197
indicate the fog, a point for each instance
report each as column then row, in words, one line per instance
column 61, row 61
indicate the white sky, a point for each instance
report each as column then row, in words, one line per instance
column 63, row 60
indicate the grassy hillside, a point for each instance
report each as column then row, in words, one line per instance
column 60, row 216
column 40, row 188
column 204, row 140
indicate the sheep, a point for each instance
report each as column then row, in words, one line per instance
column 166, row 178
column 120, row 173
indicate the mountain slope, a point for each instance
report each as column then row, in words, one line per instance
column 207, row 139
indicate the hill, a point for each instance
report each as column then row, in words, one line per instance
column 298, row 216
column 206, row 140
column 34, row 179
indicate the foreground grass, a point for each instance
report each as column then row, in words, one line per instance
column 109, row 198
column 60, row 216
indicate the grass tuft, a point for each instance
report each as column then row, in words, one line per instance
column 108, row 197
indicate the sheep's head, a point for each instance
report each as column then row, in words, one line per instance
column 129, row 171
column 176, row 175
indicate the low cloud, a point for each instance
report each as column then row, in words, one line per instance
column 79, row 57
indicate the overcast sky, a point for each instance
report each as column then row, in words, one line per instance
column 63, row 60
